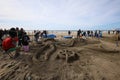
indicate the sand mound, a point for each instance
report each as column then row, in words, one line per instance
column 69, row 59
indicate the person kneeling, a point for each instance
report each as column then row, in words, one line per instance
column 10, row 43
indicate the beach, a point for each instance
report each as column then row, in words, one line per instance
column 65, row 59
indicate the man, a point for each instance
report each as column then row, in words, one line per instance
column 10, row 43
column 116, row 38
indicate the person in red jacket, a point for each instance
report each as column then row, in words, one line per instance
column 10, row 43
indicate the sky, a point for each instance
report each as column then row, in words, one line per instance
column 60, row 14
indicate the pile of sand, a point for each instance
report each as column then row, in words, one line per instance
column 93, row 62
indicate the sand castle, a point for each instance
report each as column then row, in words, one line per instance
column 64, row 59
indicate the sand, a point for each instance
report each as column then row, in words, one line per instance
column 65, row 59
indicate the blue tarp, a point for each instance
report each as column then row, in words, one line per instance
column 49, row 36
column 68, row 37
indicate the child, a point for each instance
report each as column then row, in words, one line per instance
column 25, row 42
column 10, row 43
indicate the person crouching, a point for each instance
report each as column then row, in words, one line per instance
column 25, row 42
column 9, row 44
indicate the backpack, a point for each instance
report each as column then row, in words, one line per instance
column 6, row 43
column 9, row 43
column 25, row 39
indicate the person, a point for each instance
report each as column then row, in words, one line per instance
column 25, row 42
column 41, row 35
column 45, row 33
column 95, row 34
column 1, row 35
column 109, row 32
column 88, row 33
column 92, row 34
column 37, row 36
column 20, row 34
column 113, row 31
column 84, row 33
column 17, row 30
column 116, row 40
column 69, row 32
column 10, row 43
column 78, row 33
column 99, row 35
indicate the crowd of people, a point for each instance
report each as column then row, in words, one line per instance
column 38, row 34
column 113, row 31
column 17, row 38
column 96, row 33
column 14, row 39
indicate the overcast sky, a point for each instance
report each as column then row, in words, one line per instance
column 60, row 14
